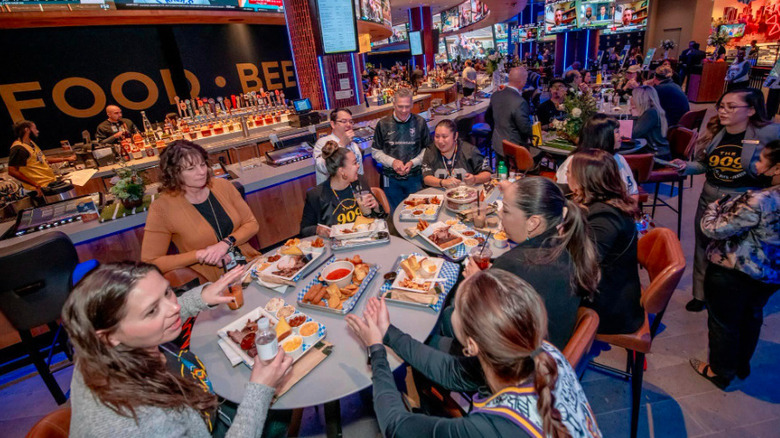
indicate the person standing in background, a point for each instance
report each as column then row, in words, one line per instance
column 400, row 140
column 510, row 115
column 469, row 78
column 738, row 75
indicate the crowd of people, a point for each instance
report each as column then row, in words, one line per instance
column 501, row 336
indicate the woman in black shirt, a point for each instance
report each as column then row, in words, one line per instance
column 727, row 151
column 453, row 161
column 595, row 181
column 333, row 202
column 554, row 254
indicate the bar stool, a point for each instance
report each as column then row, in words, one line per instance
column 482, row 135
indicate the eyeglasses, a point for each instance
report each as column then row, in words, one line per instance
column 730, row 108
column 346, row 121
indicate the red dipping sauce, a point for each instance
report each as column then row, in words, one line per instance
column 337, row 274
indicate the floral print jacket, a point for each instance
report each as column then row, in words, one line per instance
column 746, row 234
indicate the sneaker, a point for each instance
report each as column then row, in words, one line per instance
column 695, row 305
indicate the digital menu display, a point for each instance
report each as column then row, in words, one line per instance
column 594, row 14
column 338, row 30
column 415, row 42
column 560, row 16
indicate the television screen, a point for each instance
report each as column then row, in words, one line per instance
column 630, row 16
column 415, row 42
column 478, row 10
column 524, row 34
column 594, row 13
column 466, row 17
column 302, row 105
column 560, row 16
column 377, row 11
column 733, row 30
column 450, row 20
column 189, row 4
column 262, row 5
column 500, row 29
column 338, row 30
column 474, row 44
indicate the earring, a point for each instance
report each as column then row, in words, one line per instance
column 467, row 352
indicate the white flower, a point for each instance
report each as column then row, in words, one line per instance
column 576, row 112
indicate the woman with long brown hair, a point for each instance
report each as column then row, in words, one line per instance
column 524, row 386
column 727, row 152
column 595, row 181
column 554, row 253
column 129, row 381
column 206, row 218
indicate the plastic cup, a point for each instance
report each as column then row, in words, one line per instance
column 362, row 198
column 481, row 256
column 237, row 292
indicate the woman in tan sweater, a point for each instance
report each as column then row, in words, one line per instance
column 205, row 218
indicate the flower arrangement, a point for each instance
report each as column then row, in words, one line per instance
column 579, row 108
column 494, row 59
column 128, row 187
column 718, row 38
column 668, row 44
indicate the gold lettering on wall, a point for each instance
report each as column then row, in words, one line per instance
column 58, row 96
column 247, row 73
column 170, row 90
column 194, row 83
column 269, row 76
column 15, row 106
column 288, row 72
column 121, row 99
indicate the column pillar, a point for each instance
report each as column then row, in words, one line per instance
column 330, row 81
column 420, row 18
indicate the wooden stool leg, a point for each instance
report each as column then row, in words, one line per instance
column 43, row 369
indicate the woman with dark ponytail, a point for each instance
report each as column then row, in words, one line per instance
column 554, row 253
column 524, row 386
column 334, row 201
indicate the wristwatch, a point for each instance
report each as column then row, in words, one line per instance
column 230, row 240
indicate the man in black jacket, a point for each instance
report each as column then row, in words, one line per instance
column 672, row 98
column 509, row 114
column 114, row 128
column 400, row 140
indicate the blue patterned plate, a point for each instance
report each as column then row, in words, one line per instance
column 349, row 304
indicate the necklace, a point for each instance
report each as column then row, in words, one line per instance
column 213, row 213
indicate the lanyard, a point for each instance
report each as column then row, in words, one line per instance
column 454, row 158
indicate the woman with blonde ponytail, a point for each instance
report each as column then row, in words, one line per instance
column 524, row 386
column 554, row 253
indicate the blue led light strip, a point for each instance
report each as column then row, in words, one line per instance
column 324, row 87
column 354, row 78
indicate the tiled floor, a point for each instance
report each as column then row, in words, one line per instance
column 675, row 403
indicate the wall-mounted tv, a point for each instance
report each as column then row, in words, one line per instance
column 594, row 13
column 415, row 42
column 629, row 16
column 560, row 16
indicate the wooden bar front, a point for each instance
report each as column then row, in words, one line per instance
column 707, row 86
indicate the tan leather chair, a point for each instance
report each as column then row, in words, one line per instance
column 641, row 165
column 55, row 424
column 181, row 276
column 381, row 198
column 661, row 254
column 521, row 156
column 584, row 334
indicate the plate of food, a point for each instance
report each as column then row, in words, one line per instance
column 418, row 274
column 296, row 332
column 425, row 207
column 362, row 227
column 339, row 285
column 441, row 236
column 461, row 198
column 290, row 260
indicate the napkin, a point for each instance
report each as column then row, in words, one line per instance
column 280, row 288
column 232, row 356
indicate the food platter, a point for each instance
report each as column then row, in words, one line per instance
column 319, row 295
column 426, row 207
column 413, row 276
column 461, row 198
column 362, row 227
column 441, row 236
column 290, row 261
column 239, row 329
column 434, row 299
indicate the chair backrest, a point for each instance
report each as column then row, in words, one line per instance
column 36, row 279
column 584, row 334
column 641, row 165
column 661, row 254
column 381, row 198
column 55, row 424
column 521, row 155
column 692, row 119
column 181, row 276
column 682, row 142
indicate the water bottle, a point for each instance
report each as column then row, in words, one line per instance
column 502, row 171
column 265, row 340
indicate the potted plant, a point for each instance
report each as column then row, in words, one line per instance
column 128, row 187
column 667, row 45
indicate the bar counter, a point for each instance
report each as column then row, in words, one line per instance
column 447, row 93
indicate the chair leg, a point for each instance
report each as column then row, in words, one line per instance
column 679, row 207
column 43, row 369
column 636, row 391
column 655, row 199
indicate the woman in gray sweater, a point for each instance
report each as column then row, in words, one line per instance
column 129, row 381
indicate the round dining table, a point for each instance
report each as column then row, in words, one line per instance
column 345, row 371
column 444, row 215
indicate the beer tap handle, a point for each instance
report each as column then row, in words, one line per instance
column 221, row 101
column 189, row 108
column 233, row 99
column 178, row 107
column 213, row 107
column 228, row 105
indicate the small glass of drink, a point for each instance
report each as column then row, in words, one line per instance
column 362, row 199
column 236, row 291
column 481, row 256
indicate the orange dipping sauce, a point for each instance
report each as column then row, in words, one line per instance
column 337, row 274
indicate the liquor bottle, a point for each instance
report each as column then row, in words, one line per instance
column 265, row 340
column 148, row 129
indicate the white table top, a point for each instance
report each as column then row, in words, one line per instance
column 342, row 373
column 444, row 215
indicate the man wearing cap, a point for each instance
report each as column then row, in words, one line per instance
column 548, row 110
column 630, row 81
column 672, row 98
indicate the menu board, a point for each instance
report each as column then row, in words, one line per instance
column 595, row 13
column 338, row 30
column 560, row 16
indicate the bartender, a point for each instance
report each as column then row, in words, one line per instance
column 26, row 161
column 112, row 130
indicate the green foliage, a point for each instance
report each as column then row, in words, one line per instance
column 579, row 108
column 128, row 185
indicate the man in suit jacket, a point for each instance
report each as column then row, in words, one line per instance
column 671, row 97
column 509, row 114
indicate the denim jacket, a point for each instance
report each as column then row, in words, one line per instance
column 746, row 233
